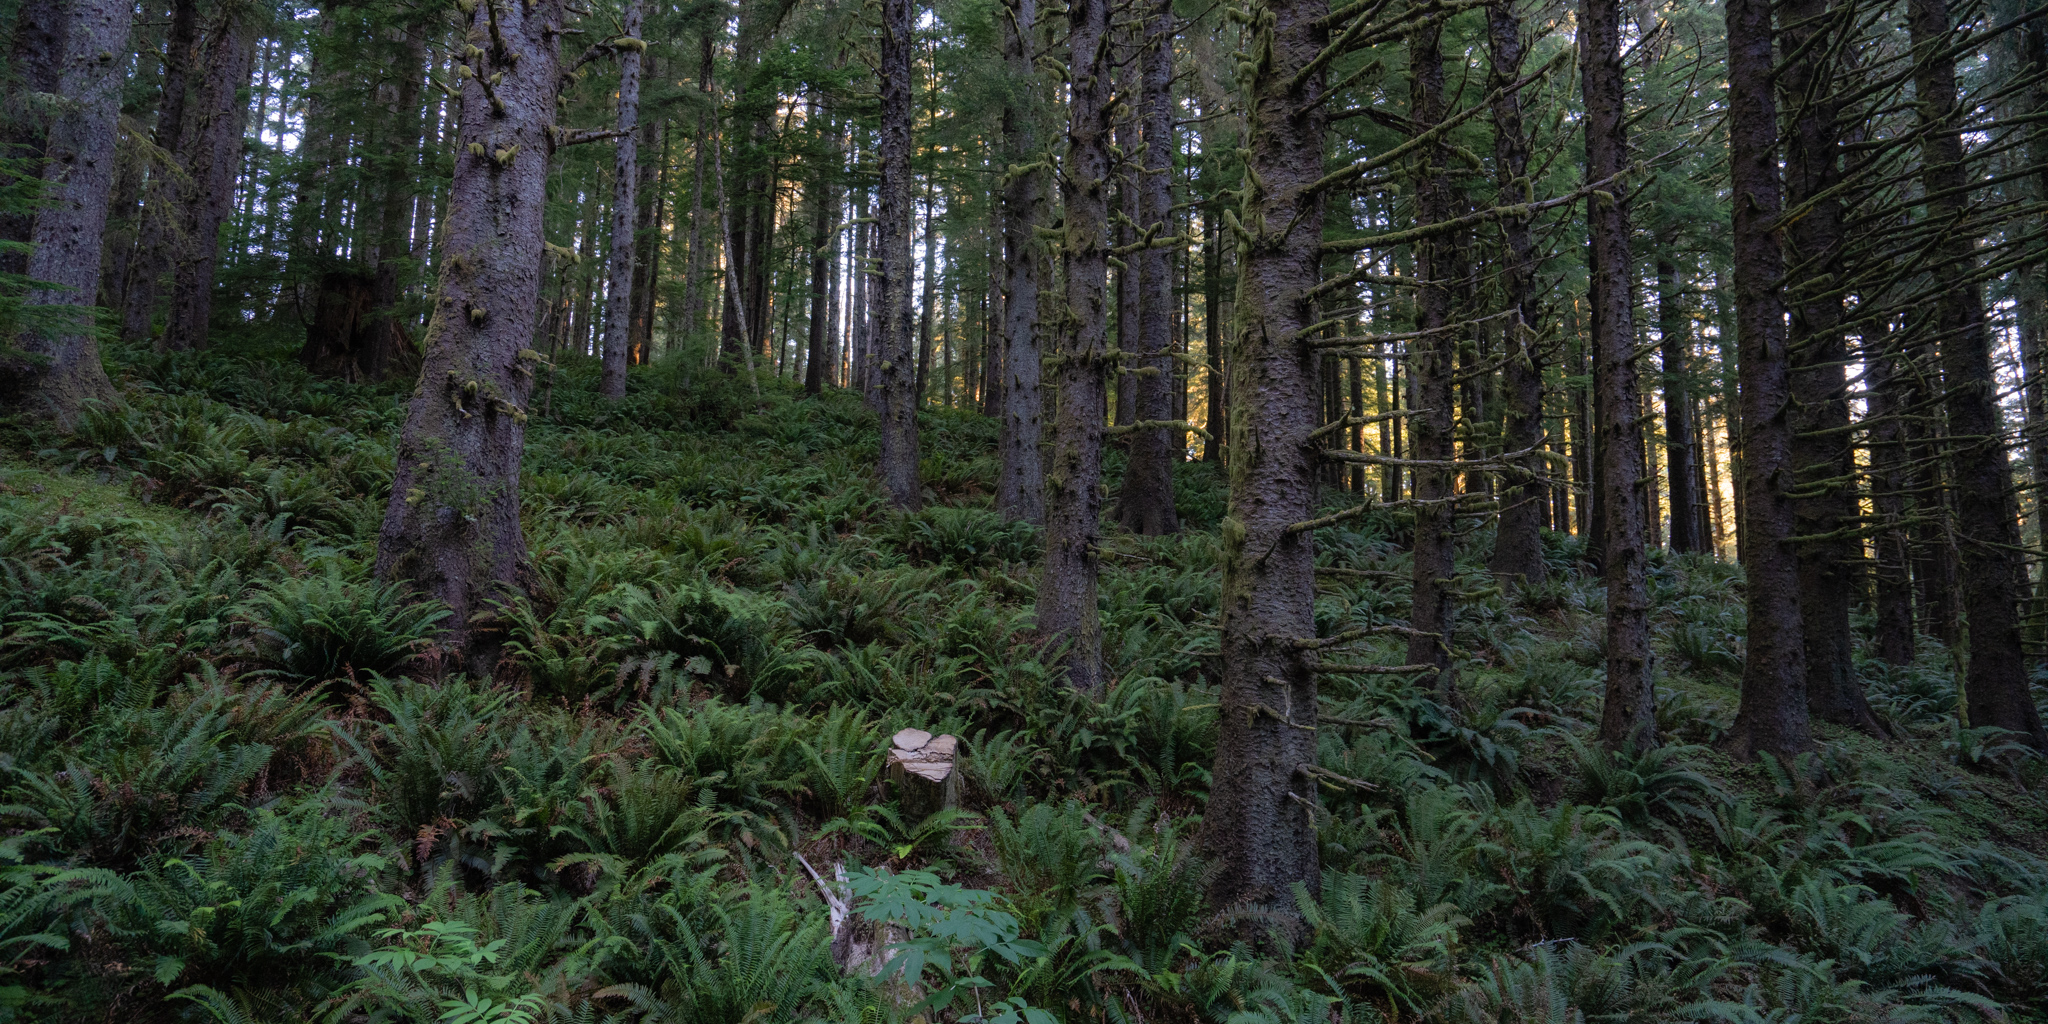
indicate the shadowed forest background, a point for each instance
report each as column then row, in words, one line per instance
column 1003, row 512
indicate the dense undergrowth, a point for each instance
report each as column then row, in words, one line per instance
column 241, row 786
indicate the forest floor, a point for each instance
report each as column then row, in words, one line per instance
column 240, row 784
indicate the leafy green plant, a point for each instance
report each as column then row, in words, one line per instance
column 317, row 628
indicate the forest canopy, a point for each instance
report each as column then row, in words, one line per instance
column 1013, row 512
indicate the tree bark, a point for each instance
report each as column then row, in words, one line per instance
column 164, row 199
column 1772, row 716
column 1145, row 505
column 618, row 291
column 1681, row 459
column 1895, row 633
column 1067, row 613
column 824, row 255
column 1518, row 540
column 62, row 372
column 1818, row 353
column 213, row 159
column 1431, row 369
column 896, row 367
column 452, row 527
column 1987, row 530
column 1260, row 823
column 1628, row 715
column 1020, row 487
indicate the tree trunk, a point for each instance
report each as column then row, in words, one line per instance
column 452, row 527
column 1020, row 489
column 896, row 369
column 1772, row 717
column 1518, row 542
column 824, row 255
column 213, row 159
column 164, row 200
column 1894, row 633
column 1067, row 614
column 1818, row 354
column 63, row 373
column 1431, row 368
column 1260, row 823
column 1145, row 505
column 1681, row 459
column 1628, row 716
column 618, row 292
column 1986, row 529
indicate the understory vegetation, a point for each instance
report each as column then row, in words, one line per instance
column 242, row 783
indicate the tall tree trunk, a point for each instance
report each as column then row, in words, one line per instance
column 168, row 191
column 929, row 298
column 1772, row 717
column 63, row 372
column 824, row 256
column 1518, row 542
column 1067, row 614
column 1260, row 823
column 1894, row 633
column 452, row 527
column 1986, row 528
column 1818, row 354
column 1628, row 716
column 618, row 291
column 213, row 158
column 1681, row 459
column 1431, row 369
column 1146, row 503
column 896, row 369
column 1020, row 488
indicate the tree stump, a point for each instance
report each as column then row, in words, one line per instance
column 922, row 767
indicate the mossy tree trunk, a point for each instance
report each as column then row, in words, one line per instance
column 452, row 527
column 1145, row 505
column 1067, row 614
column 895, row 370
column 1260, row 822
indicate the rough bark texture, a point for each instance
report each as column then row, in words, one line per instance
column 618, row 289
column 1680, row 458
column 1145, row 505
column 1772, row 717
column 1518, row 542
column 452, row 527
column 1431, row 368
column 1893, row 576
column 164, row 199
column 1259, row 825
column 1987, row 531
column 213, row 159
column 63, row 371
column 1067, row 614
column 1020, row 487
column 1628, row 715
column 1820, row 390
column 895, row 370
